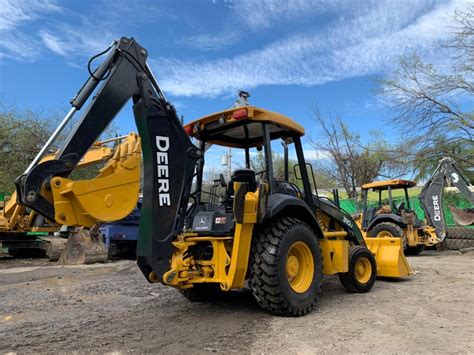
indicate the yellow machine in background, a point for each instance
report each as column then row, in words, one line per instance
column 16, row 219
column 14, row 216
column 384, row 219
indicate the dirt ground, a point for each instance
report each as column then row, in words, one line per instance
column 111, row 308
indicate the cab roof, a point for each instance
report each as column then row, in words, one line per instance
column 394, row 184
column 241, row 127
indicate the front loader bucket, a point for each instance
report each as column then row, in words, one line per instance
column 391, row 261
column 84, row 247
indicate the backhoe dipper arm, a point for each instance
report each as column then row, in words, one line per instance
column 431, row 196
column 169, row 157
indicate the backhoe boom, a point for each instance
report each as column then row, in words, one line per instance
column 431, row 195
column 125, row 75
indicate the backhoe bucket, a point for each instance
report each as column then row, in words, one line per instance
column 462, row 217
column 84, row 247
column 391, row 261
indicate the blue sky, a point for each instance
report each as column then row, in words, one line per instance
column 291, row 55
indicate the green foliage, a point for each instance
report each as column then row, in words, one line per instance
column 22, row 135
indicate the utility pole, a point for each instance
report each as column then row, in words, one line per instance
column 227, row 162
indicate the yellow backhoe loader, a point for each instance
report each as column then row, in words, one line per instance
column 16, row 220
column 277, row 236
column 384, row 219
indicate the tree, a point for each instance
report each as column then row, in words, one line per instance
column 257, row 163
column 346, row 160
column 428, row 101
column 22, row 135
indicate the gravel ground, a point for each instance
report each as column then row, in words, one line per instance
column 111, row 308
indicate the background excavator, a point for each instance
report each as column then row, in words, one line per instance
column 22, row 229
column 447, row 173
column 273, row 234
column 387, row 218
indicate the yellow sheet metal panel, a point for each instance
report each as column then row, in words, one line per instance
column 242, row 240
column 335, row 256
column 391, row 262
column 230, row 259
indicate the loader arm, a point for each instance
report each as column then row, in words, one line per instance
column 431, row 195
column 169, row 157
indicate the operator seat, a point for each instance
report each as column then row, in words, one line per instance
column 241, row 175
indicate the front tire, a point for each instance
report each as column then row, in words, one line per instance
column 389, row 230
column 362, row 270
column 285, row 270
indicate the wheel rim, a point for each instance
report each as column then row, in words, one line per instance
column 363, row 270
column 385, row 234
column 300, row 267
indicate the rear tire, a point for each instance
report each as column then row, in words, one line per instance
column 457, row 244
column 285, row 270
column 362, row 270
column 389, row 230
column 460, row 233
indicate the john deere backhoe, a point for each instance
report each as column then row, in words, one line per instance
column 431, row 197
column 383, row 218
column 280, row 238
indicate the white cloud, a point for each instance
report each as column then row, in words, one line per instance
column 76, row 41
column 268, row 13
column 15, row 43
column 74, row 35
column 52, row 42
column 211, row 41
column 14, row 12
column 310, row 154
column 18, row 46
column 363, row 43
column 89, row 32
column 316, row 154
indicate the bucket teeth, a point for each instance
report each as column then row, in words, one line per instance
column 84, row 247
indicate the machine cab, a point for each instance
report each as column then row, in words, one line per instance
column 249, row 132
column 392, row 201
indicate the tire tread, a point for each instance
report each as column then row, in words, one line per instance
column 263, row 274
